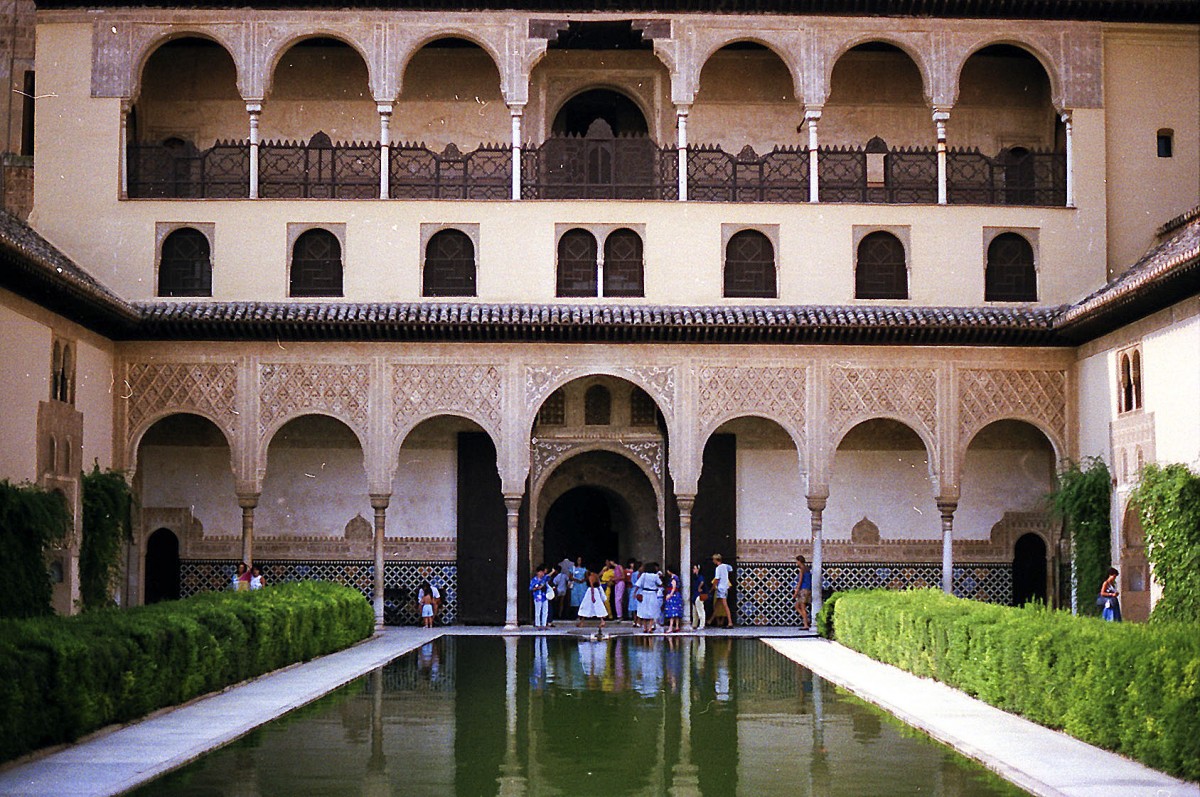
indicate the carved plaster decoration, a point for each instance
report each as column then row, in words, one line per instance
column 775, row 392
column 990, row 394
column 289, row 389
column 1132, row 440
column 858, row 394
column 421, row 391
column 657, row 380
column 545, row 454
column 153, row 389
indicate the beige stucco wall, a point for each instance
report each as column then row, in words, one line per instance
column 25, row 373
column 1151, row 81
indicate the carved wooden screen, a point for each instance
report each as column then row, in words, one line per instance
column 750, row 266
column 880, row 272
column 577, row 263
column 317, row 264
column 449, row 265
column 1010, row 275
column 185, row 265
column 623, row 269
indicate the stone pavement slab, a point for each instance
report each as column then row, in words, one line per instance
column 1039, row 760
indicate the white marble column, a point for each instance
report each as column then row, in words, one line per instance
column 1068, row 132
column 512, row 505
column 811, row 117
column 515, row 111
column 681, row 117
column 385, row 148
column 946, row 507
column 685, row 504
column 940, row 117
column 248, row 501
column 254, row 109
column 379, row 502
column 816, row 505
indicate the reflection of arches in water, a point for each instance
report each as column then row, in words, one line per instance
column 1029, row 569
column 162, row 567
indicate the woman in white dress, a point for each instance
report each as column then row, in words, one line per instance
column 649, row 597
column 592, row 603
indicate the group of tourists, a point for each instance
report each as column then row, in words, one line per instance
column 247, row 578
column 651, row 595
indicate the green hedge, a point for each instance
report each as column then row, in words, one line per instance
column 1132, row 688
column 63, row 677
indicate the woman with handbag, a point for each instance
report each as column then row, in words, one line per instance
column 649, row 597
column 1108, row 600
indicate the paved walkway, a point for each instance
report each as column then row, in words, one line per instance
column 1041, row 761
column 1037, row 759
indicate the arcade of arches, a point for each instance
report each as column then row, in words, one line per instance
column 380, row 468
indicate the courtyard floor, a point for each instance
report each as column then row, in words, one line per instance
column 1041, row 761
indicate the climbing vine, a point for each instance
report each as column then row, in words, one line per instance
column 30, row 520
column 1081, row 497
column 107, row 504
column 1168, row 500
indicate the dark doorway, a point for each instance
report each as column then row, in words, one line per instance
column 623, row 116
column 482, row 532
column 162, row 567
column 583, row 522
column 1029, row 570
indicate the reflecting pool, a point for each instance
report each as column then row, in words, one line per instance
column 559, row 715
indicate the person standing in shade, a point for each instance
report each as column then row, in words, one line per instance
column 1108, row 600
column 802, row 595
column 618, row 602
column 561, row 581
column 541, row 606
column 699, row 596
column 632, row 573
column 722, row 581
column 673, row 600
column 649, row 597
column 579, row 584
column 592, row 604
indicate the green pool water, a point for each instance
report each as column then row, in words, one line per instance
column 575, row 716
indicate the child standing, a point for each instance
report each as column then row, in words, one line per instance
column 592, row 603
column 427, row 610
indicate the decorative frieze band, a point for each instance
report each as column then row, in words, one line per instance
column 151, row 389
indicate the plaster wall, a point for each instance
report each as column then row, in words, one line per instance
column 312, row 489
column 25, row 374
column 770, row 495
column 997, row 481
column 425, row 491
column 94, row 399
column 1171, row 389
column 1151, row 82
column 1096, row 377
column 890, row 488
column 199, row 478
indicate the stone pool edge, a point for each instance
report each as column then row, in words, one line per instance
column 1044, row 762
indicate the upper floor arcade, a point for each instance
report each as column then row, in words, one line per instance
column 408, row 105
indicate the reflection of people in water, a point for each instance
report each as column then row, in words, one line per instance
column 429, row 660
column 721, row 682
column 541, row 660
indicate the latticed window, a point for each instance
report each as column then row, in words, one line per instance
column 623, row 268
column 449, row 265
column 597, row 406
column 62, row 372
column 880, row 272
column 750, row 266
column 577, row 263
column 185, row 264
column 642, row 409
column 1010, row 275
column 554, row 410
column 317, row 264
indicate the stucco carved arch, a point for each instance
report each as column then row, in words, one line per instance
column 610, row 446
column 1050, row 62
column 780, row 43
column 914, row 45
column 449, row 31
column 274, row 51
column 269, row 432
column 969, row 434
column 409, row 424
column 794, row 433
column 927, row 437
column 148, row 39
column 133, row 442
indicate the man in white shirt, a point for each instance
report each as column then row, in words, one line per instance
column 722, row 581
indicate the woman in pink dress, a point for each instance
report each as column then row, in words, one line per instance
column 618, row 603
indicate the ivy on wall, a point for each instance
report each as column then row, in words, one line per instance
column 107, row 503
column 30, row 520
column 1081, row 496
column 1168, row 500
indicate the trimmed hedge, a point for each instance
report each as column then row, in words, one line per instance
column 63, row 677
column 1131, row 688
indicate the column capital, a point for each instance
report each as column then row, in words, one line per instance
column 947, row 505
column 816, row 503
column 941, row 113
column 683, row 108
column 512, row 502
column 516, row 108
column 380, row 500
column 812, row 113
column 248, row 500
column 1064, row 116
column 685, row 501
column 384, row 108
column 254, row 106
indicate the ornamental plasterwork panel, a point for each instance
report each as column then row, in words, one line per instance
column 421, row 390
column 858, row 394
column 658, row 381
column 545, row 454
column 207, row 388
column 771, row 392
column 1132, row 438
column 287, row 389
column 987, row 395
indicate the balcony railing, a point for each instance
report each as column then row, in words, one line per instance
column 587, row 167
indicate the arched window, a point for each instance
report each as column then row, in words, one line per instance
column 1129, row 381
column 577, row 263
column 597, row 406
column 1135, row 378
column 880, row 272
column 554, row 410
column 185, row 264
column 56, row 373
column 317, row 264
column 623, row 269
column 750, row 266
column 449, row 265
column 1010, row 275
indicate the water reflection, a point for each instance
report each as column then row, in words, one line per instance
column 576, row 716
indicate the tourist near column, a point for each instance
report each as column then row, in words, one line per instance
column 537, row 587
column 699, row 595
column 802, row 594
column 618, row 603
column 722, row 581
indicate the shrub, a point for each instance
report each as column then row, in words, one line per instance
column 1130, row 688
column 107, row 502
column 1081, row 497
column 62, row 677
column 1168, row 500
column 30, row 520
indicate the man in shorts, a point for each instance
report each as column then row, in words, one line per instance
column 722, row 581
column 802, row 595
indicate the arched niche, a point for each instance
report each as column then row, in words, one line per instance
column 315, row 481
column 1005, row 101
column 746, row 97
column 876, row 89
column 188, row 96
column 450, row 94
column 184, row 462
column 881, row 471
column 1007, row 470
column 162, row 567
column 320, row 84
